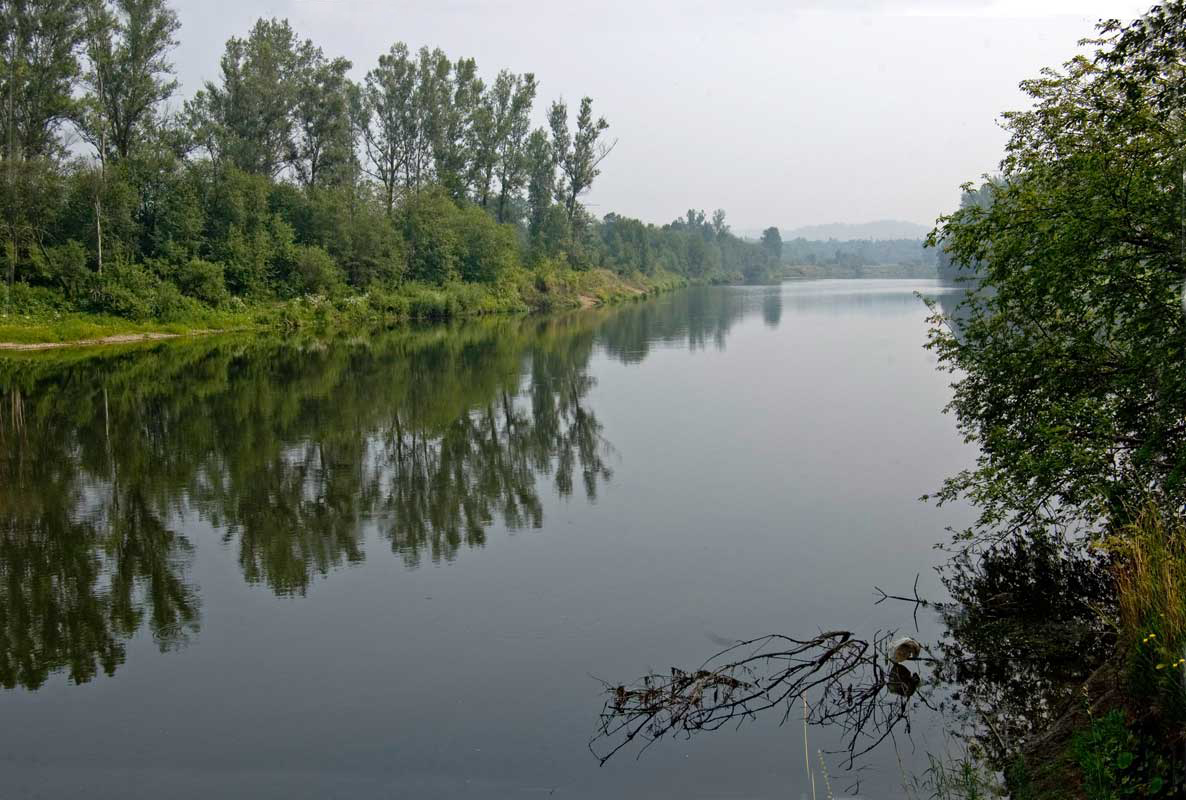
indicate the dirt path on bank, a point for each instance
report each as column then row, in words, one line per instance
column 122, row 338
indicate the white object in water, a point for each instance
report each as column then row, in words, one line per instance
column 903, row 649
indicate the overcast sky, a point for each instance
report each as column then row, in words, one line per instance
column 782, row 113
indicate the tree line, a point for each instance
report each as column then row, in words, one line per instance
column 285, row 177
column 853, row 253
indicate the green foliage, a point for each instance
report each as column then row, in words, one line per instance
column 247, row 120
column 63, row 266
column 286, row 179
column 1071, row 355
column 578, row 153
column 772, row 244
column 1115, row 762
column 32, row 301
column 204, row 281
column 487, row 250
column 426, row 221
column 692, row 246
column 1104, row 751
column 950, row 778
column 124, row 290
column 126, row 45
column 314, row 272
column 850, row 255
column 1150, row 575
column 39, row 41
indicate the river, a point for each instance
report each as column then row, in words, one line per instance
column 397, row 565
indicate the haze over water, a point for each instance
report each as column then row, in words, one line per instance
column 397, row 565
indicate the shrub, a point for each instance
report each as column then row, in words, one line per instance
column 21, row 298
column 427, row 221
column 170, row 305
column 389, row 304
column 487, row 250
column 204, row 281
column 64, row 266
column 125, row 290
column 1118, row 762
column 314, row 272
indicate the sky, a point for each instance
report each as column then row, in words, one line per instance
column 784, row 113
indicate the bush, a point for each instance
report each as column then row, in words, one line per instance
column 1118, row 762
column 314, row 272
column 204, row 281
column 64, row 266
column 170, row 305
column 425, row 302
column 487, row 250
column 428, row 223
column 125, row 290
column 389, row 304
column 34, row 301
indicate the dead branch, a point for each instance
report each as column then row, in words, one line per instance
column 848, row 683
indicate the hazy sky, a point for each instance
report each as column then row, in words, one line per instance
column 782, row 113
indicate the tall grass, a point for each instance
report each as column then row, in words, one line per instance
column 1151, row 600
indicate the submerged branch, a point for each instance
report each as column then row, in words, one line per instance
column 845, row 681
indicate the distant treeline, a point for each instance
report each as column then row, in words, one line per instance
column 284, row 177
column 855, row 253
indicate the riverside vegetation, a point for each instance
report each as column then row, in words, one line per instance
column 284, row 191
column 1064, row 657
column 1071, row 349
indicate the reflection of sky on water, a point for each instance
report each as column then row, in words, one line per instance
column 767, row 446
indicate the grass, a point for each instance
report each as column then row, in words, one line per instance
column 25, row 321
column 75, row 326
column 1151, row 600
column 950, row 777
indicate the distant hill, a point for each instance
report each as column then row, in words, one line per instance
column 882, row 229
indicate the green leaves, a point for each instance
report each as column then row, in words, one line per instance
column 128, row 78
column 1070, row 349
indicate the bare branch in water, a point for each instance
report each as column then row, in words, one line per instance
column 847, row 682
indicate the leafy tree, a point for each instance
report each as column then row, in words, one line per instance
column 512, row 154
column 38, row 67
column 247, row 119
column 719, row 228
column 432, row 92
column 388, row 126
column 541, row 181
column 772, row 244
column 578, row 154
column 30, row 200
column 291, row 179
column 128, row 77
column 426, row 221
column 487, row 249
column 492, row 120
column 1071, row 353
column 453, row 121
column 322, row 151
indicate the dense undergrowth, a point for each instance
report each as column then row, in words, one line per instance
column 37, row 314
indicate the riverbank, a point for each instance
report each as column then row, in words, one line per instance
column 38, row 320
column 1071, row 658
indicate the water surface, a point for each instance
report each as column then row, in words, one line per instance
column 395, row 565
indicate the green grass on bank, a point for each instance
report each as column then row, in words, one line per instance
column 33, row 316
column 1127, row 735
column 16, row 328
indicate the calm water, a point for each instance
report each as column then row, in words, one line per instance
column 391, row 566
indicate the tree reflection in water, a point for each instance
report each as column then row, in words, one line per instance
column 295, row 450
